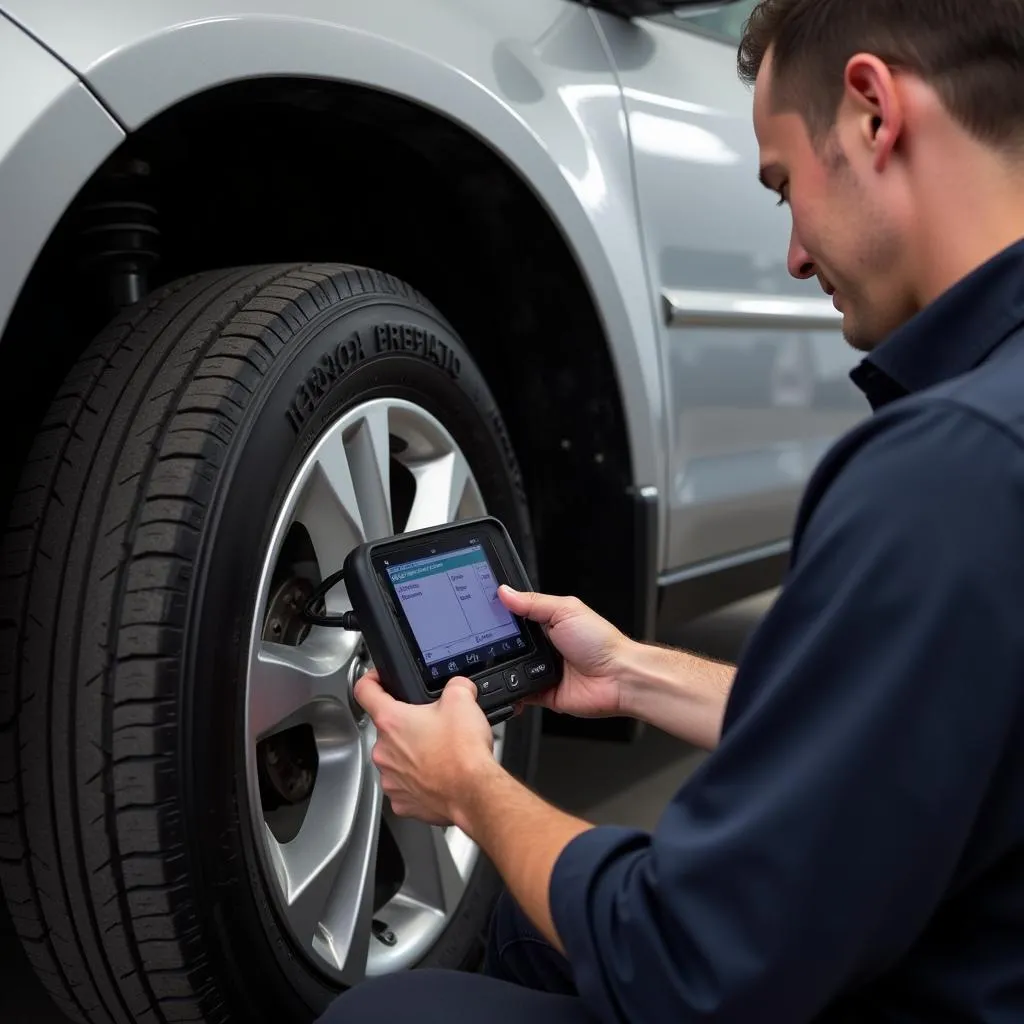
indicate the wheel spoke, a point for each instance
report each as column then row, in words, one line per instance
column 344, row 934
column 443, row 486
column 369, row 460
column 472, row 503
column 432, row 877
column 329, row 510
column 317, row 863
column 287, row 683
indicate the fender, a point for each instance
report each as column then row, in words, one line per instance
column 531, row 79
column 53, row 136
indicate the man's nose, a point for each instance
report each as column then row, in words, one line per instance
column 801, row 266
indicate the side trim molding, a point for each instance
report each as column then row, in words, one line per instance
column 748, row 309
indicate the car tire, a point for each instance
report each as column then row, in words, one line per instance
column 130, row 583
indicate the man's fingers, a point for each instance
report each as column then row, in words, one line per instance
column 540, row 608
column 371, row 696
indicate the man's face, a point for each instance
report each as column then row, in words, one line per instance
column 849, row 229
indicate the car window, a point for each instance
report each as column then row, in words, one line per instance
column 725, row 22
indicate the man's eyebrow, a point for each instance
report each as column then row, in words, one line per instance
column 768, row 172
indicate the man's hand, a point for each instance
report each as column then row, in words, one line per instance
column 427, row 752
column 594, row 652
column 607, row 673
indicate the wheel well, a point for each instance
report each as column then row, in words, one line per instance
column 280, row 170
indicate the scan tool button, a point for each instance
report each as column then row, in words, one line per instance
column 490, row 684
column 536, row 669
column 513, row 679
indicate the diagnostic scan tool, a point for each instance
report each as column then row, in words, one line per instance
column 428, row 607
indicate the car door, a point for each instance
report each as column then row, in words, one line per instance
column 755, row 368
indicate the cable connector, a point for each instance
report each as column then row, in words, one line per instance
column 346, row 620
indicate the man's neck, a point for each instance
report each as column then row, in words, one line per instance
column 971, row 209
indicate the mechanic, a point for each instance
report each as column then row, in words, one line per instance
column 853, row 847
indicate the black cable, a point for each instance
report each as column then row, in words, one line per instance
column 347, row 620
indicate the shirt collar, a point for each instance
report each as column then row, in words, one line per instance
column 952, row 335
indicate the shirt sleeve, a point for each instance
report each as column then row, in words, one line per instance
column 865, row 726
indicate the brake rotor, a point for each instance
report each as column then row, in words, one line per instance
column 284, row 623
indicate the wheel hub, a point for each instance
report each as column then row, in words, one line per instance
column 284, row 623
column 359, row 666
column 288, row 763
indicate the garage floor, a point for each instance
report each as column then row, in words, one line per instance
column 603, row 782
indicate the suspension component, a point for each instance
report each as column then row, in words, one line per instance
column 120, row 237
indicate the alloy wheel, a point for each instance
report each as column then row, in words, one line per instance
column 361, row 891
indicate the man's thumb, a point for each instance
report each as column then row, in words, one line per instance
column 538, row 607
column 458, row 688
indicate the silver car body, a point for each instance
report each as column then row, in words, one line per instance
column 636, row 137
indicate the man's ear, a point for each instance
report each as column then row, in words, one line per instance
column 872, row 97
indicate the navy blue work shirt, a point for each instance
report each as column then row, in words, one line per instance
column 854, row 848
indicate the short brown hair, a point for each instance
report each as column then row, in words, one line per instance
column 970, row 51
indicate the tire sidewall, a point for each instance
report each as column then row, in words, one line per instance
column 354, row 352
